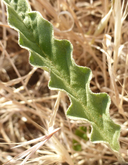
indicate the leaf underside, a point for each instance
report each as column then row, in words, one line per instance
column 55, row 56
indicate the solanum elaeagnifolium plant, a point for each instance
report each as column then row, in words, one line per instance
column 55, row 56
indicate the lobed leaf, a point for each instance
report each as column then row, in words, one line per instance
column 55, row 56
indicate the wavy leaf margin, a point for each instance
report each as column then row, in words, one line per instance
column 55, row 56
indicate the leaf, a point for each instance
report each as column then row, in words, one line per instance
column 55, row 56
column 82, row 132
column 76, row 145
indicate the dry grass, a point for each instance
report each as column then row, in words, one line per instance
column 28, row 108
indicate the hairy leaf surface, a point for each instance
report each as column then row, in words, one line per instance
column 55, row 56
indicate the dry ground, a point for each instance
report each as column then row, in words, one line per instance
column 26, row 103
